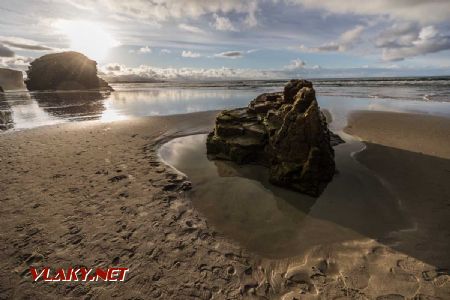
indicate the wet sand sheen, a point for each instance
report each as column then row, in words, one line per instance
column 60, row 176
column 277, row 223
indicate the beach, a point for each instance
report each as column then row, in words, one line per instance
column 225, row 150
column 96, row 194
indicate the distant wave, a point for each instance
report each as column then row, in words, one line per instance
column 398, row 88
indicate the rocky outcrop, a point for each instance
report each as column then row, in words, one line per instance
column 284, row 131
column 64, row 71
column 11, row 80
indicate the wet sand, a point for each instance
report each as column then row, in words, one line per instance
column 240, row 202
column 418, row 133
column 96, row 194
column 411, row 154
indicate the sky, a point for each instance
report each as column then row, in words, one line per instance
column 253, row 39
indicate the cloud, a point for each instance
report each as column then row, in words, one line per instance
column 295, row 64
column 422, row 11
column 171, row 9
column 145, row 49
column 346, row 41
column 230, row 54
column 33, row 47
column 113, row 67
column 190, row 28
column 400, row 44
column 399, row 35
column 250, row 19
column 320, row 25
column 6, row 52
column 149, row 73
column 223, row 23
column 17, row 62
column 190, row 54
column 23, row 44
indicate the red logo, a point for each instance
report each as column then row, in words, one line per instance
column 79, row 274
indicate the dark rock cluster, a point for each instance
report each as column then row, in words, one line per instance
column 284, row 131
column 64, row 71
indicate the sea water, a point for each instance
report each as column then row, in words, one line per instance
column 33, row 109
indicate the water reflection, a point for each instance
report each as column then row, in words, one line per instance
column 169, row 101
column 47, row 108
column 6, row 119
column 274, row 222
column 73, row 105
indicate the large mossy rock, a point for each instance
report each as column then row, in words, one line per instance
column 64, row 71
column 284, row 131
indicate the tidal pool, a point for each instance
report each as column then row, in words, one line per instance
column 240, row 203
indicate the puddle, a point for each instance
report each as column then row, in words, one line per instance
column 240, row 203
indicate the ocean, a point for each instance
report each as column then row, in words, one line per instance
column 32, row 109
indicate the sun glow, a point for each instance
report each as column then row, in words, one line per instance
column 88, row 38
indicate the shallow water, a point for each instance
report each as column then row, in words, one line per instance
column 275, row 222
column 33, row 109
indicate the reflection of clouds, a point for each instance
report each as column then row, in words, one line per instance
column 72, row 105
column 341, row 107
column 401, row 91
column 26, row 112
column 47, row 108
column 175, row 101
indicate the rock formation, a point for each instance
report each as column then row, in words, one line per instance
column 284, row 131
column 64, row 71
column 11, row 80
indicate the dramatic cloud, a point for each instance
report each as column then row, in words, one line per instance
column 145, row 49
column 422, row 11
column 333, row 33
column 190, row 54
column 295, row 64
column 398, row 45
column 164, row 10
column 190, row 28
column 6, row 52
column 346, row 41
column 230, row 54
column 223, row 23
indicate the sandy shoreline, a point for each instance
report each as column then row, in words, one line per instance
column 95, row 194
column 418, row 133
